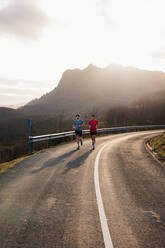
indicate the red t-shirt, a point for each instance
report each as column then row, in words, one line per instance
column 93, row 124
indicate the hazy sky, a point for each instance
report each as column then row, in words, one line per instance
column 40, row 39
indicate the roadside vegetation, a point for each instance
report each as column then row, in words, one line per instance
column 158, row 145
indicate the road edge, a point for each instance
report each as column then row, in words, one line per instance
column 152, row 153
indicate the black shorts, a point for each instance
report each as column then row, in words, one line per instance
column 93, row 133
column 78, row 132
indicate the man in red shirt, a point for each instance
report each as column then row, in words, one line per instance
column 93, row 129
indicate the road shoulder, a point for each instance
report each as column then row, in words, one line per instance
column 155, row 146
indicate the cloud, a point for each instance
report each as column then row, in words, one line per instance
column 16, row 90
column 158, row 54
column 106, row 7
column 21, row 84
column 11, row 100
column 23, row 18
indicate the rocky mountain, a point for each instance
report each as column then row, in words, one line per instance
column 93, row 89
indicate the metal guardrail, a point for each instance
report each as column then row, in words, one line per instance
column 33, row 139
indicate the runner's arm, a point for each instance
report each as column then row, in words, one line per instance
column 74, row 126
column 82, row 124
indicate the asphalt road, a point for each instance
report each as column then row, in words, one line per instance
column 49, row 200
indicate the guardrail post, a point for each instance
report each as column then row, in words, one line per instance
column 30, row 144
column 30, row 147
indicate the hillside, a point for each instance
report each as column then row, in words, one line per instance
column 9, row 113
column 149, row 110
column 94, row 89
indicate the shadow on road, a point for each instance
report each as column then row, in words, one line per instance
column 54, row 161
column 73, row 164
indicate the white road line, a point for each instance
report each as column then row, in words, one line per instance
column 104, row 225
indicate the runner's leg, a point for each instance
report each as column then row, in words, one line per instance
column 78, row 141
column 93, row 141
column 81, row 141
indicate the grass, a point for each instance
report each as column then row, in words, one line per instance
column 158, row 145
column 5, row 166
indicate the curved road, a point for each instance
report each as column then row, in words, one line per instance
column 49, row 200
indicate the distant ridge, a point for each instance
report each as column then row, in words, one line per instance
column 93, row 89
column 9, row 113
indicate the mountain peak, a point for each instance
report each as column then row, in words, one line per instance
column 91, row 67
